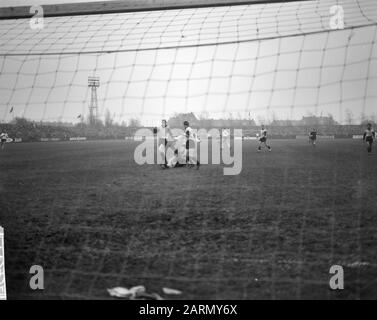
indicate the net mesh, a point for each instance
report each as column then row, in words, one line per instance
column 263, row 59
column 254, row 58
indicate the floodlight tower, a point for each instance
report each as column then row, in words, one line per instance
column 93, row 84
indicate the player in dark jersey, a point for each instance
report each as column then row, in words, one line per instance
column 369, row 136
column 313, row 137
column 3, row 139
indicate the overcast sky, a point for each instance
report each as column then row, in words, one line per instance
column 43, row 76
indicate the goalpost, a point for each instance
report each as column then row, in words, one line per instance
column 3, row 291
column 219, row 58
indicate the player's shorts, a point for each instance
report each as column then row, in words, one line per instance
column 263, row 139
column 3, row 140
column 369, row 139
column 190, row 144
column 313, row 138
column 162, row 141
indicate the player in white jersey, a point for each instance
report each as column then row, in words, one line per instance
column 179, row 157
column 3, row 139
column 369, row 136
column 178, row 160
column 225, row 138
column 164, row 135
column 191, row 141
column 263, row 139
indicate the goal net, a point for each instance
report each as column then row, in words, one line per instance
column 94, row 221
column 268, row 60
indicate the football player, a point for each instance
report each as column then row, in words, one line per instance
column 3, row 139
column 313, row 137
column 369, row 136
column 164, row 135
column 225, row 138
column 191, row 140
column 263, row 139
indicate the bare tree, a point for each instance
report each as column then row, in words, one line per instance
column 363, row 118
column 274, row 117
column 108, row 119
column 349, row 117
column 134, row 123
column 261, row 120
column 204, row 115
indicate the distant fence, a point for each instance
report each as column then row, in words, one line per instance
column 50, row 139
column 77, row 139
column 9, row 140
column 339, row 132
column 250, row 138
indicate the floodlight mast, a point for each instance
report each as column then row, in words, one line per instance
column 93, row 84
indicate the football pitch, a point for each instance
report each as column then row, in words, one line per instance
column 94, row 219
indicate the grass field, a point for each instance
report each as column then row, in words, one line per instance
column 94, row 220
